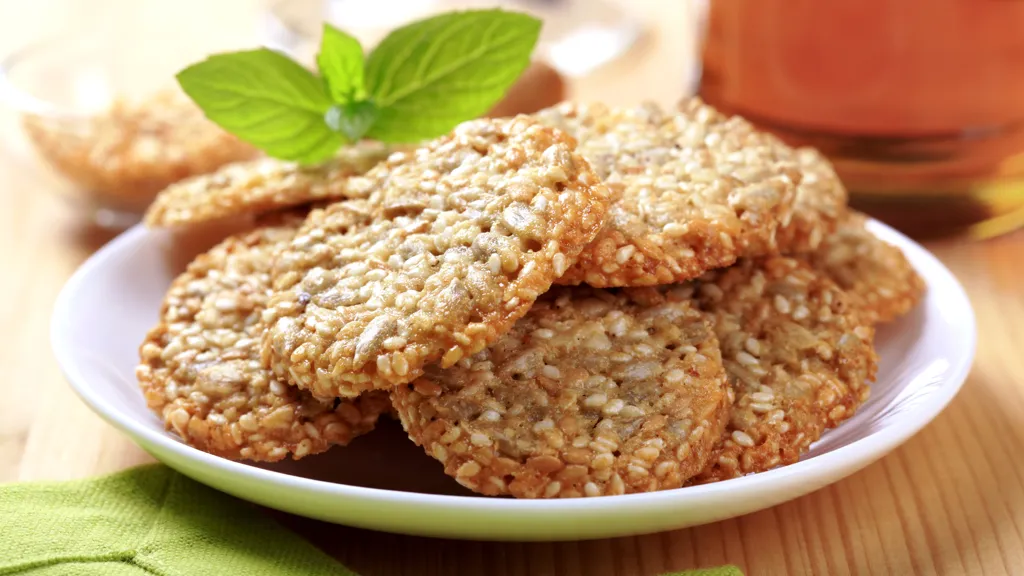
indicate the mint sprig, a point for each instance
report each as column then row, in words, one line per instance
column 418, row 83
column 430, row 75
column 341, row 63
column 267, row 100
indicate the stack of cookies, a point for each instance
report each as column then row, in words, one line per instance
column 586, row 301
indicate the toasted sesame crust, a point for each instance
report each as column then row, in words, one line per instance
column 466, row 232
column 263, row 185
column 799, row 359
column 692, row 190
column 879, row 279
column 591, row 393
column 820, row 205
column 201, row 372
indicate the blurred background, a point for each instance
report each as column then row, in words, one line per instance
column 919, row 104
column 76, row 76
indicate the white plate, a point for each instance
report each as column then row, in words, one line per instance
column 382, row 481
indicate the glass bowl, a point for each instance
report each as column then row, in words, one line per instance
column 104, row 112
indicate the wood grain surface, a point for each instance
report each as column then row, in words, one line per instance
column 950, row 501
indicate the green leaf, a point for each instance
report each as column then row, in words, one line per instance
column 341, row 64
column 352, row 119
column 428, row 76
column 265, row 99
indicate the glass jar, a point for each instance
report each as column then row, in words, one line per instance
column 919, row 103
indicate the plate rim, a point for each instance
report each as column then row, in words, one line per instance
column 870, row 448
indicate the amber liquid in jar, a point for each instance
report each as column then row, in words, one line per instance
column 919, row 103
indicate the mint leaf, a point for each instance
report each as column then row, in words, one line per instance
column 341, row 64
column 352, row 119
column 428, row 76
column 265, row 99
column 420, row 81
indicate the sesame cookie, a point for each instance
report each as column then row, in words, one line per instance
column 877, row 276
column 820, row 205
column 467, row 231
column 798, row 357
column 263, row 185
column 592, row 393
column 201, row 372
column 692, row 190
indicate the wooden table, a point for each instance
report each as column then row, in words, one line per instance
column 950, row 501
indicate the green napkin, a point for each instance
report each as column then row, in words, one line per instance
column 152, row 520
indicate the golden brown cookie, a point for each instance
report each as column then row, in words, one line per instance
column 592, row 393
column 201, row 372
column 799, row 359
column 692, row 190
column 467, row 232
column 820, row 205
column 880, row 280
column 263, row 185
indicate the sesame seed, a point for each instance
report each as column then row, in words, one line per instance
column 613, row 407
column 468, row 469
column 742, row 438
column 552, row 489
column 595, row 401
column 781, row 304
column 746, row 359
